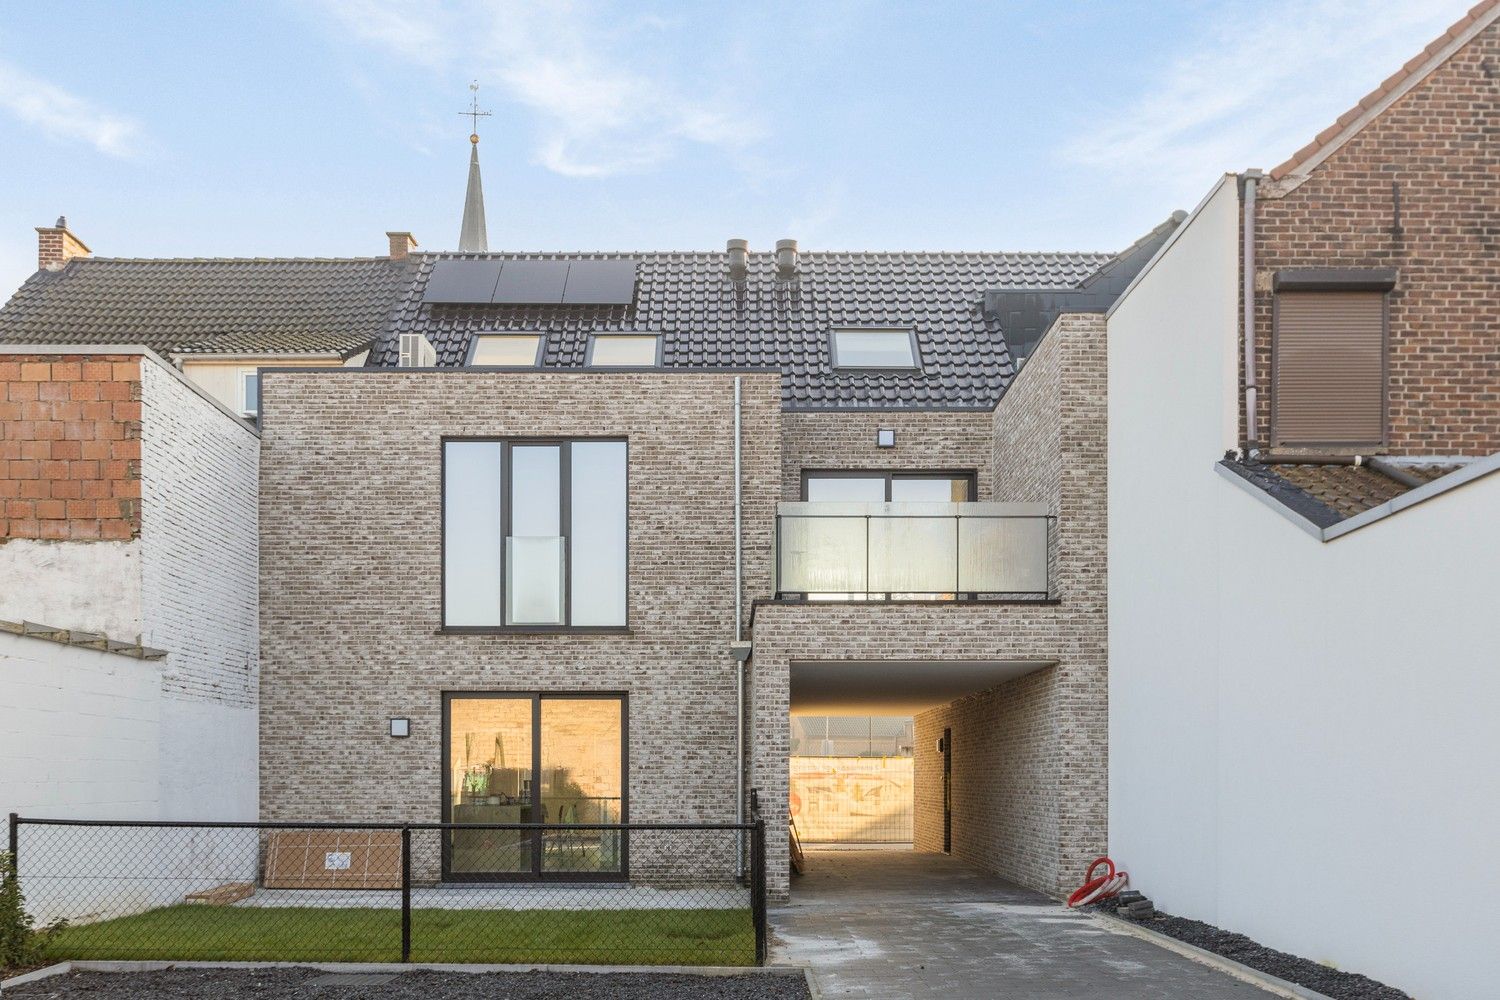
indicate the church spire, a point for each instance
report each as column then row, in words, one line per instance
column 471, row 235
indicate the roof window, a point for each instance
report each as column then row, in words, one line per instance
column 879, row 348
column 506, row 350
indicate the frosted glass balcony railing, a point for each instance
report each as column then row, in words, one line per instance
column 860, row 551
column 534, row 575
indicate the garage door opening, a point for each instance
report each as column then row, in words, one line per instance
column 852, row 781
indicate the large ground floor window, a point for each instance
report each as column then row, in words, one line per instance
column 554, row 759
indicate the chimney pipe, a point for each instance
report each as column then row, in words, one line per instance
column 401, row 244
column 739, row 259
column 786, row 260
column 56, row 245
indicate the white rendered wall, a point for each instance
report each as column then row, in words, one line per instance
column 1303, row 744
column 200, row 589
column 80, row 733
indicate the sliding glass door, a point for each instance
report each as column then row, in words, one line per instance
column 534, row 758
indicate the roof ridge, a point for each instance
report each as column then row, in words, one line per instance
column 455, row 254
column 1412, row 72
column 96, row 259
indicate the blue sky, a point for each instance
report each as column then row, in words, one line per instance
column 312, row 127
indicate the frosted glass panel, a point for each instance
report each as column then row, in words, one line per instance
column 913, row 554
column 598, row 532
column 471, row 532
column 535, row 490
column 534, row 580
column 822, row 555
column 1003, row 555
column 827, row 488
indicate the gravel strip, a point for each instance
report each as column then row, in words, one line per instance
column 241, row 984
column 1302, row 971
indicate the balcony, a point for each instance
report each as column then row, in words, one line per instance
column 912, row 551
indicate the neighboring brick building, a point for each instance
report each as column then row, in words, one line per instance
column 1300, row 675
column 129, row 530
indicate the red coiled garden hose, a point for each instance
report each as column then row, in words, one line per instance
column 1101, row 887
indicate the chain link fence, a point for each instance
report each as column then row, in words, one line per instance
column 600, row 894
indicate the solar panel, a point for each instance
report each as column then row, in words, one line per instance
column 462, row 281
column 600, row 282
column 532, row 281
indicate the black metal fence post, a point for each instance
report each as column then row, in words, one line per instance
column 406, row 894
column 758, row 888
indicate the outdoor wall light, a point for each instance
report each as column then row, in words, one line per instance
column 885, row 437
column 401, row 728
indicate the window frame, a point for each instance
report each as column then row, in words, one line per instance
column 536, row 361
column 588, row 357
column 537, row 696
column 911, row 334
column 971, row 475
column 246, row 374
column 565, row 527
column 1338, row 283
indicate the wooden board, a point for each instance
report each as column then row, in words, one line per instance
column 333, row 859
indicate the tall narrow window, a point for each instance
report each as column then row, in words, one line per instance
column 534, row 534
column 250, row 393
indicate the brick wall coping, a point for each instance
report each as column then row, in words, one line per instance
column 88, row 640
column 1476, row 469
column 41, row 350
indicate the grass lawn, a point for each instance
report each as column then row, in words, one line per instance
column 309, row 934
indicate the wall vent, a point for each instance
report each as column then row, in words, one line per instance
column 417, row 351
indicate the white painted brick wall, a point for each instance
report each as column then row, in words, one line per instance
column 200, row 575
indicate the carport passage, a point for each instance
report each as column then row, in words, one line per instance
column 911, row 924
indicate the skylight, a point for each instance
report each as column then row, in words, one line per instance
column 507, row 350
column 874, row 349
column 628, row 350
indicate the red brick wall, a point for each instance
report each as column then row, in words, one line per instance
column 70, row 446
column 1439, row 142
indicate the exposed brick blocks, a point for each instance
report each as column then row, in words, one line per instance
column 70, row 447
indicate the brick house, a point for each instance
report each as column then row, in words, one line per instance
column 1304, row 543
column 632, row 493
column 621, row 515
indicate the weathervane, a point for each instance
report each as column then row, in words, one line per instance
column 474, row 113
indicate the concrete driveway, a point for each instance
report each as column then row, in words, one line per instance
column 905, row 924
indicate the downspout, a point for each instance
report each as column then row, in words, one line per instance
column 739, row 660
column 1247, row 256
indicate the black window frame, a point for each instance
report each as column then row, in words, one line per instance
column 541, row 348
column 565, row 527
column 889, row 475
column 446, row 803
column 588, row 356
column 911, row 333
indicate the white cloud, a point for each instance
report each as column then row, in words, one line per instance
column 66, row 116
column 1259, row 86
column 600, row 107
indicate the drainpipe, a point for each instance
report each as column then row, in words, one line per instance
column 740, row 649
column 1247, row 257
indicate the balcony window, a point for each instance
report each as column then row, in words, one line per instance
column 506, row 350
column 890, row 348
column 518, row 552
column 624, row 350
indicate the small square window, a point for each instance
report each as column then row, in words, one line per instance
column 250, row 393
column 506, row 350
column 624, row 351
column 874, row 349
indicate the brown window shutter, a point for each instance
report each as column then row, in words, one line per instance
column 1328, row 386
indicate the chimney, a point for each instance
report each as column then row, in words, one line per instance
column 401, row 245
column 739, row 259
column 56, row 245
column 786, row 260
